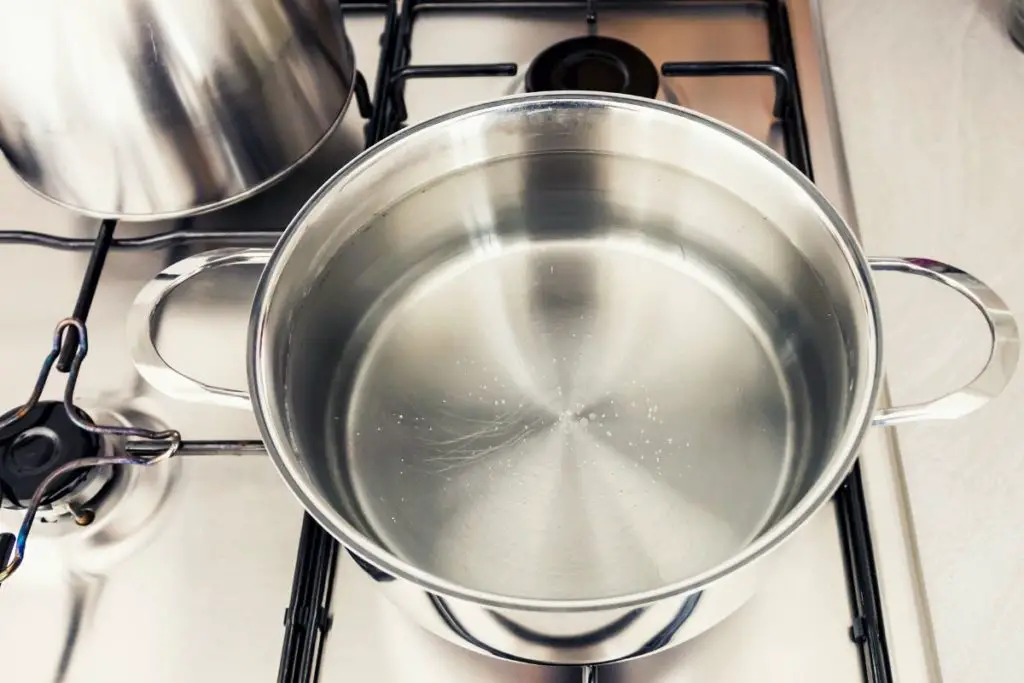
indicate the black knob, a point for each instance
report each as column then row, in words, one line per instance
column 37, row 444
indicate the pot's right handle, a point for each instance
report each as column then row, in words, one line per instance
column 143, row 318
column 1002, row 358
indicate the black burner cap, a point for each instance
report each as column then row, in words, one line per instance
column 594, row 63
column 37, row 444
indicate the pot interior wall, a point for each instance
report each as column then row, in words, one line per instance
column 533, row 362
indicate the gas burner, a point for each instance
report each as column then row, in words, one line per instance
column 98, row 515
column 595, row 63
column 35, row 446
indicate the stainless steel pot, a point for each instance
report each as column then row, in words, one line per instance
column 562, row 369
column 145, row 109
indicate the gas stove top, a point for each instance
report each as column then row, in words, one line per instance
column 204, row 567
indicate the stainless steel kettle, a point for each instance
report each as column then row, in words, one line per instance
column 147, row 109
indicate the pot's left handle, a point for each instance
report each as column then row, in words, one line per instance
column 1002, row 358
column 143, row 319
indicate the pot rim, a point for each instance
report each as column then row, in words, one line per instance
column 275, row 433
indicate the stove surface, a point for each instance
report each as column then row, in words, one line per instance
column 197, row 587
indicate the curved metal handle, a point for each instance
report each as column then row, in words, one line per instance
column 1002, row 358
column 143, row 317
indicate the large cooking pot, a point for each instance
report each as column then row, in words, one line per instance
column 146, row 109
column 561, row 369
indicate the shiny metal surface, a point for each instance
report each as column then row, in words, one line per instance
column 224, row 609
column 208, row 579
column 550, row 399
column 456, row 438
column 144, row 318
column 208, row 556
column 523, row 281
column 143, row 109
column 909, row 633
column 168, row 439
column 542, row 210
column 1002, row 359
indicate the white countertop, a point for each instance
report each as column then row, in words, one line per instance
column 931, row 99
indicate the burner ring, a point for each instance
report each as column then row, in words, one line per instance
column 37, row 444
column 596, row 63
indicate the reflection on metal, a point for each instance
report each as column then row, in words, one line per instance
column 1002, row 357
column 219, row 503
column 187, row 106
column 146, row 311
column 804, row 606
column 85, row 593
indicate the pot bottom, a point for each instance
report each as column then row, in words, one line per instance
column 567, row 419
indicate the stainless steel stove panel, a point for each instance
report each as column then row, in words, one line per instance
column 202, row 597
column 198, row 595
